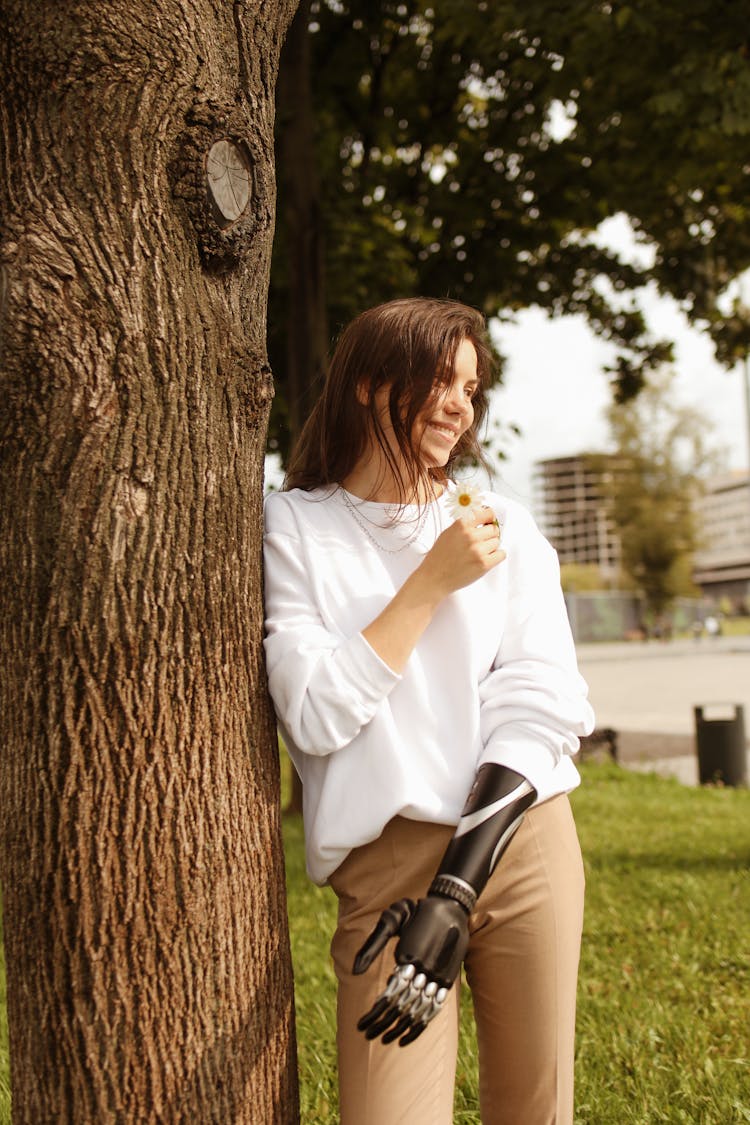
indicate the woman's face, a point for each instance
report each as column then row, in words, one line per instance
column 445, row 417
column 450, row 411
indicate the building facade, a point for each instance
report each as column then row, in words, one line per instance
column 574, row 512
column 722, row 564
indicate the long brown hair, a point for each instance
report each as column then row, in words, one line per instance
column 408, row 345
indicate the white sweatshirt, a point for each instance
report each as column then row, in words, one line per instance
column 492, row 679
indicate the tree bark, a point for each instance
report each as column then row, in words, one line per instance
column 149, row 976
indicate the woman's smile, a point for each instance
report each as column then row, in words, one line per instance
column 448, row 432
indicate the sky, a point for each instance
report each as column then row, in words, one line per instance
column 556, row 390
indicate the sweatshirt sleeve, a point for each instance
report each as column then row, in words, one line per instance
column 533, row 702
column 325, row 686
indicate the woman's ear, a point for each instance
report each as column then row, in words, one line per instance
column 363, row 392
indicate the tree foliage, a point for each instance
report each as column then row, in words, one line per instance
column 581, row 577
column 470, row 149
column 660, row 94
column 661, row 452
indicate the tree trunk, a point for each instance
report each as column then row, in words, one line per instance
column 148, row 965
column 299, row 201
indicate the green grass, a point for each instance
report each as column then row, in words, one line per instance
column 664, row 999
column 735, row 626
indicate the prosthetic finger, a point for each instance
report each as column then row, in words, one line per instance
column 410, row 1036
column 423, row 1008
column 388, row 1001
column 390, row 923
column 407, row 1005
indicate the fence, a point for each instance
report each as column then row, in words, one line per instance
column 611, row 615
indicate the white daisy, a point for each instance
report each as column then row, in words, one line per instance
column 466, row 502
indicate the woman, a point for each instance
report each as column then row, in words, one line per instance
column 426, row 686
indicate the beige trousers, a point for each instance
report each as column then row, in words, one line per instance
column 521, row 967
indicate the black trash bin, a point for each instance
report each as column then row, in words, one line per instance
column 721, row 746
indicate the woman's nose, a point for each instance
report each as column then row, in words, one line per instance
column 457, row 402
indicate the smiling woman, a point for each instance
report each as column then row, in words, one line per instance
column 427, row 690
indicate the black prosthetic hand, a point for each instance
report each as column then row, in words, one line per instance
column 434, row 934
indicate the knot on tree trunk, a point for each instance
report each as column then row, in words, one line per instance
column 216, row 173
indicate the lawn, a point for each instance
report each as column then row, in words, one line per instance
column 664, row 1002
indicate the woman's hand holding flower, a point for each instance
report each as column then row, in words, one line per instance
column 461, row 554
column 465, row 551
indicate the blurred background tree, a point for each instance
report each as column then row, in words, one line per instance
column 470, row 150
column 582, row 578
column 661, row 455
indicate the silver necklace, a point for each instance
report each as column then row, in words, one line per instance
column 363, row 523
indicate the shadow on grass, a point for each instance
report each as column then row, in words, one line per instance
column 627, row 862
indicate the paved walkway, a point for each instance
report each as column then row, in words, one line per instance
column 646, row 691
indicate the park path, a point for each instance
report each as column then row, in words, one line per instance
column 646, row 691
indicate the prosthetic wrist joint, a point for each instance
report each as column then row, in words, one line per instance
column 492, row 813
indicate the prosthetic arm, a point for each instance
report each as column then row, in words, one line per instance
column 434, row 934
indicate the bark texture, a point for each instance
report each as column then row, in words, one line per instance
column 148, row 966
